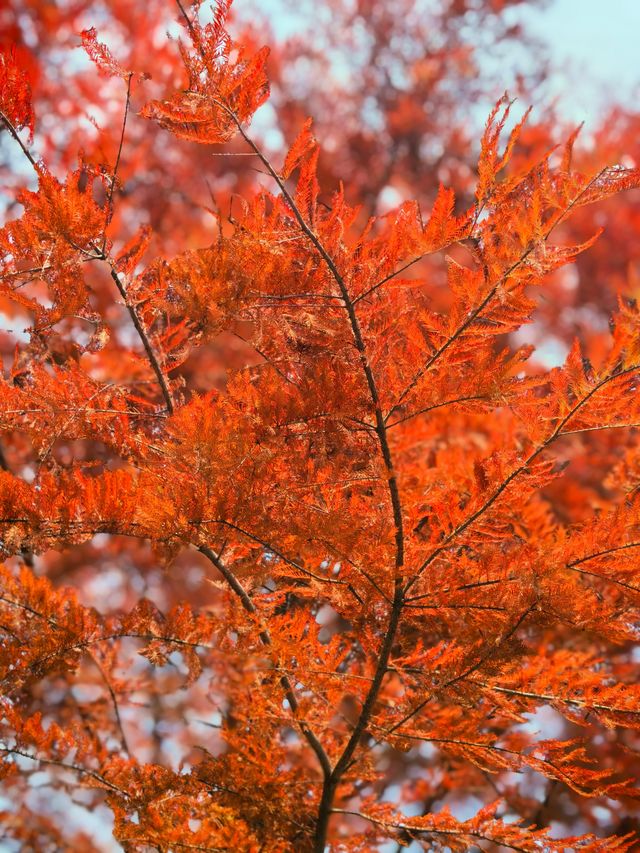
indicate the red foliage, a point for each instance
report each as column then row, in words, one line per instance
column 303, row 550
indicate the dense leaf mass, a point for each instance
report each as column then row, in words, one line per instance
column 305, row 547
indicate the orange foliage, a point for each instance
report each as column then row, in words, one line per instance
column 302, row 550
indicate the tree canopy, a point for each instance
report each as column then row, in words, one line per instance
column 311, row 541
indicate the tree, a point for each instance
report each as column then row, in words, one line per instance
column 362, row 588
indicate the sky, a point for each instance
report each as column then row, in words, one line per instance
column 596, row 46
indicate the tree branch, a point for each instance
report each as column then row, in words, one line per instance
column 9, row 125
column 265, row 639
column 416, row 830
column 516, row 473
column 114, row 175
column 142, row 334
column 473, row 315
column 332, row 780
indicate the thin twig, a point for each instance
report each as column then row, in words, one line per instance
column 8, row 750
column 413, row 830
column 557, row 432
column 265, row 639
column 12, row 130
column 114, row 701
column 476, row 312
column 142, row 334
column 114, row 175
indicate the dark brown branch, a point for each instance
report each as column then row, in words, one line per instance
column 517, row 472
column 101, row 255
column 114, row 702
column 332, row 781
column 268, row 546
column 604, row 553
column 114, row 175
column 12, row 603
column 265, row 639
column 490, row 653
column 462, row 328
column 7, row 750
column 416, row 830
column 555, row 772
column 454, row 607
column 473, row 315
column 608, row 578
column 9, row 125
column 248, row 606
column 431, row 408
column 462, row 587
column 142, row 334
column 392, row 275
column 600, row 428
column 565, row 700
column 346, row 559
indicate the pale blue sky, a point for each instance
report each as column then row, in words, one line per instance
column 596, row 47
